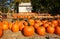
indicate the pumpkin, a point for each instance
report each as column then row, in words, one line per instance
column 49, row 23
column 28, row 31
column 31, row 22
column 59, row 22
column 25, row 23
column 44, row 21
column 14, row 15
column 5, row 25
column 57, row 30
column 0, row 24
column 25, row 16
column 36, row 25
column 55, row 22
column 37, row 21
column 5, row 21
column 45, row 24
column 10, row 25
column 15, row 27
column 41, row 30
column 1, row 32
column 29, row 17
column 21, row 25
column 50, row 29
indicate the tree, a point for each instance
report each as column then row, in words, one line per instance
column 50, row 6
column 17, row 4
column 2, row 4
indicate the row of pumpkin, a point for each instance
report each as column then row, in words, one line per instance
column 28, row 27
column 28, row 15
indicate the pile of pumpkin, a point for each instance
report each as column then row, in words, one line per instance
column 24, row 15
column 31, row 26
column 29, row 15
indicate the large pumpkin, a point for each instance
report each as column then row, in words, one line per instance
column 28, row 31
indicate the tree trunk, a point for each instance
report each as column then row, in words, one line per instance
column 17, row 7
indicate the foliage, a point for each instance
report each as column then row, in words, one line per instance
column 51, row 6
column 3, row 6
column 22, row 1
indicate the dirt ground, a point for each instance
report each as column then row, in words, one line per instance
column 8, row 34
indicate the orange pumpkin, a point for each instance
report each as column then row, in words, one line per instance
column 15, row 27
column 21, row 25
column 57, row 30
column 45, row 24
column 55, row 22
column 37, row 21
column 44, row 21
column 0, row 24
column 50, row 29
column 14, row 15
column 25, row 16
column 59, row 22
column 1, row 32
column 5, row 25
column 28, row 31
column 31, row 22
column 49, row 23
column 25, row 23
column 10, row 25
column 36, row 25
column 6, row 22
column 41, row 30
column 29, row 17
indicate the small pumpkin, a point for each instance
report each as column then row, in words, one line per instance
column 50, row 29
column 21, row 25
column 25, row 23
column 29, row 17
column 31, row 22
column 36, row 25
column 10, row 25
column 55, row 22
column 37, row 21
column 5, row 25
column 44, row 21
column 59, row 22
column 45, row 24
column 57, row 30
column 41, row 30
column 15, row 27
